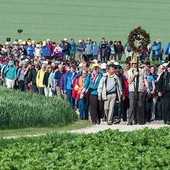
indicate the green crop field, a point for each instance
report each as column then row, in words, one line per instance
column 146, row 149
column 57, row 19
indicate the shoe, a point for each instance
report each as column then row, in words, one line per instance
column 104, row 120
column 152, row 119
column 93, row 123
column 168, row 122
column 98, row 122
column 129, row 123
column 116, row 122
column 141, row 123
column 109, row 123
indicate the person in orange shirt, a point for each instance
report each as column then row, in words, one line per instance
column 80, row 96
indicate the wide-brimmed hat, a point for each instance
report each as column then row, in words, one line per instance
column 133, row 61
column 94, row 66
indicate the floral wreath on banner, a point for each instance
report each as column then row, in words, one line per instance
column 138, row 39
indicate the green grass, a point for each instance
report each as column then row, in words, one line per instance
column 43, row 131
column 56, row 19
column 22, row 110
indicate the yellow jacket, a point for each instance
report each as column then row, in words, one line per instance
column 40, row 77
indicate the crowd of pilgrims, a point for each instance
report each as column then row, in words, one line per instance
column 90, row 77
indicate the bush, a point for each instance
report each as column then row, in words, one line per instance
column 143, row 149
column 21, row 110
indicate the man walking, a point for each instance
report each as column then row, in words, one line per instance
column 164, row 92
column 136, row 111
column 107, row 91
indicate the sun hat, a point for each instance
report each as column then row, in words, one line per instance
column 95, row 61
column 133, row 61
column 94, row 65
column 7, row 43
column 15, row 42
column 23, row 43
column 103, row 66
column 19, row 40
column 116, row 63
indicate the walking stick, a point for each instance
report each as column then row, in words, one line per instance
column 136, row 96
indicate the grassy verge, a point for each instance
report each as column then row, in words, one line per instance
column 43, row 131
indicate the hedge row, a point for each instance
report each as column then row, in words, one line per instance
column 21, row 110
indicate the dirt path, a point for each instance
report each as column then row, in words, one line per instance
column 103, row 126
column 121, row 127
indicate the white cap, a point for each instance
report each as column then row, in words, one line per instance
column 80, row 65
column 103, row 66
column 27, row 60
column 65, row 39
column 45, row 62
column 21, row 57
column 116, row 63
column 80, row 41
column 95, row 61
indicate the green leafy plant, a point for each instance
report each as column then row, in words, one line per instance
column 143, row 149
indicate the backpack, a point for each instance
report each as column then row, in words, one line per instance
column 115, row 84
column 3, row 69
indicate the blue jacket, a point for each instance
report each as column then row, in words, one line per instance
column 167, row 51
column 93, row 87
column 88, row 49
column 45, row 51
column 95, row 50
column 158, row 48
column 30, row 51
column 68, row 79
column 73, row 47
column 58, row 75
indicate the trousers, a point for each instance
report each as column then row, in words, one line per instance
column 138, row 116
